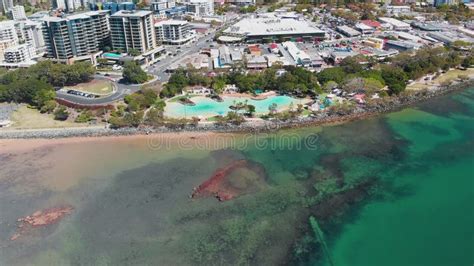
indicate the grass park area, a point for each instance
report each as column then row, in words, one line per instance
column 451, row 75
column 96, row 86
column 28, row 118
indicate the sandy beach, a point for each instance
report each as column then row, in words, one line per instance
column 19, row 145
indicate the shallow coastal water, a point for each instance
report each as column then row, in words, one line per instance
column 391, row 190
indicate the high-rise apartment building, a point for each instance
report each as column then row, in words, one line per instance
column 31, row 32
column 77, row 37
column 8, row 36
column 19, row 53
column 6, row 5
column 133, row 30
column 18, row 13
column 59, row 4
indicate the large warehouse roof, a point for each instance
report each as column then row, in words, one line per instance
column 272, row 26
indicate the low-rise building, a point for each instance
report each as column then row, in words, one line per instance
column 255, row 50
column 174, row 32
column 425, row 26
column 397, row 10
column 374, row 42
column 396, row 24
column 348, row 31
column 371, row 23
column 300, row 57
column 401, row 45
column 338, row 56
column 225, row 61
column 273, row 28
column 257, row 63
column 241, row 2
column 364, row 29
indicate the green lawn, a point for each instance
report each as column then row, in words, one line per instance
column 28, row 118
column 451, row 75
column 98, row 87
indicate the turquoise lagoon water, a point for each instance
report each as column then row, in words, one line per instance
column 112, row 55
column 208, row 107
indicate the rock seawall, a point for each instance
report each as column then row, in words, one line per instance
column 373, row 108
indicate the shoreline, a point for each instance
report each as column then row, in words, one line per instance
column 392, row 104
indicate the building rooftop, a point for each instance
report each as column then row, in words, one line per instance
column 127, row 13
column 7, row 24
column 84, row 15
column 267, row 26
column 371, row 23
column 363, row 26
column 171, row 22
column 394, row 22
column 348, row 30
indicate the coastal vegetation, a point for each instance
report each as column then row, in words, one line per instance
column 143, row 106
column 35, row 85
column 352, row 75
column 291, row 80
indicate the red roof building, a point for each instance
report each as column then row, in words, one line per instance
column 371, row 23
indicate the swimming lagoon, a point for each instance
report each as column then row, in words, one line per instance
column 207, row 107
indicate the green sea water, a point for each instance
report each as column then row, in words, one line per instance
column 392, row 190
column 432, row 224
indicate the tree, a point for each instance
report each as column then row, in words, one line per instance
column 272, row 108
column 43, row 96
column 467, row 62
column 133, row 73
column 154, row 117
column 218, row 85
column 351, row 64
column 372, row 85
column 250, row 110
column 61, row 113
column 160, row 104
column 133, row 52
column 48, row 106
column 395, row 78
column 329, row 86
column 336, row 74
column 84, row 117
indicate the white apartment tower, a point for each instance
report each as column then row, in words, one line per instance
column 18, row 13
column 7, row 5
column 132, row 30
column 77, row 37
column 8, row 36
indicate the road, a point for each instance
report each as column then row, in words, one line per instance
column 158, row 69
column 120, row 91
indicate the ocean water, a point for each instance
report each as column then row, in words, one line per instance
column 392, row 190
